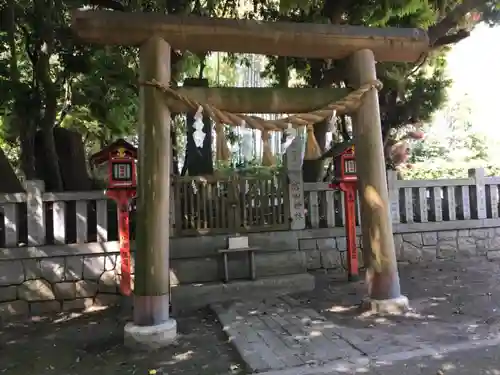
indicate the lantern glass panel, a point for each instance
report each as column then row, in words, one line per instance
column 350, row 166
column 122, row 171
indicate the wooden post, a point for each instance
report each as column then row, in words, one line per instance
column 392, row 182
column 152, row 326
column 35, row 212
column 382, row 271
column 293, row 162
column 478, row 193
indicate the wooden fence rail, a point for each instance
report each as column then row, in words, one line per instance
column 230, row 205
column 201, row 206
column 198, row 206
column 38, row 218
column 413, row 201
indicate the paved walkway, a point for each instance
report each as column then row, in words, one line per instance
column 279, row 333
column 484, row 360
column 455, row 309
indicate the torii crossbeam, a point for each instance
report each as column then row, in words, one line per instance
column 201, row 34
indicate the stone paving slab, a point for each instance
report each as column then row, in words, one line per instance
column 271, row 335
column 455, row 305
column 479, row 357
column 279, row 333
column 484, row 361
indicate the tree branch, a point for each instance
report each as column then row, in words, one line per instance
column 336, row 149
column 451, row 39
column 334, row 10
column 453, row 17
column 107, row 4
column 27, row 44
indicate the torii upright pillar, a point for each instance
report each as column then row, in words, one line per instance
column 152, row 326
column 382, row 271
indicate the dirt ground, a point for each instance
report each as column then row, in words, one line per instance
column 74, row 344
column 452, row 301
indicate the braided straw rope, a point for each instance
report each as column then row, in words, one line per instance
column 348, row 104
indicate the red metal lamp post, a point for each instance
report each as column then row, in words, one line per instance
column 121, row 159
column 346, row 181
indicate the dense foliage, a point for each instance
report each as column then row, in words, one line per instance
column 48, row 80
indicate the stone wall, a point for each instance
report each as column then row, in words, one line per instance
column 327, row 253
column 53, row 278
column 57, row 283
column 414, row 247
column 411, row 247
column 46, row 278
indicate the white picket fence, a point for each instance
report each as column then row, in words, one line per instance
column 413, row 201
column 38, row 218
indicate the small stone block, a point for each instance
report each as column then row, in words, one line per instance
column 8, row 293
column 106, row 300
column 65, row 290
column 150, row 337
column 86, row 288
column 493, row 255
column 240, row 242
column 393, row 306
column 14, row 308
column 77, row 304
column 44, row 307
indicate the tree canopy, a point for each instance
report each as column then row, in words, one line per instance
column 50, row 81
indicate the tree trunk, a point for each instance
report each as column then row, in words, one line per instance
column 199, row 161
column 52, row 172
column 27, row 146
column 45, row 44
column 314, row 170
column 9, row 183
column 19, row 120
column 71, row 158
column 175, row 151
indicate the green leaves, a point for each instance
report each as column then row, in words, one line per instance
column 97, row 86
column 287, row 5
column 452, row 146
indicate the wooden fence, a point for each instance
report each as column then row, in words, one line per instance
column 230, row 205
column 413, row 201
column 198, row 206
column 37, row 218
column 201, row 206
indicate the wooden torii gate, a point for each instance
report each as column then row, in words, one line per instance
column 156, row 34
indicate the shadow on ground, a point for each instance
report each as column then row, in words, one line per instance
column 74, row 344
column 454, row 294
column 453, row 301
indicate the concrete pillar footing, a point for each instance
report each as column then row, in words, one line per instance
column 399, row 305
column 150, row 337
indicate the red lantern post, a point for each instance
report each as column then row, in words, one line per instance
column 346, row 181
column 121, row 157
